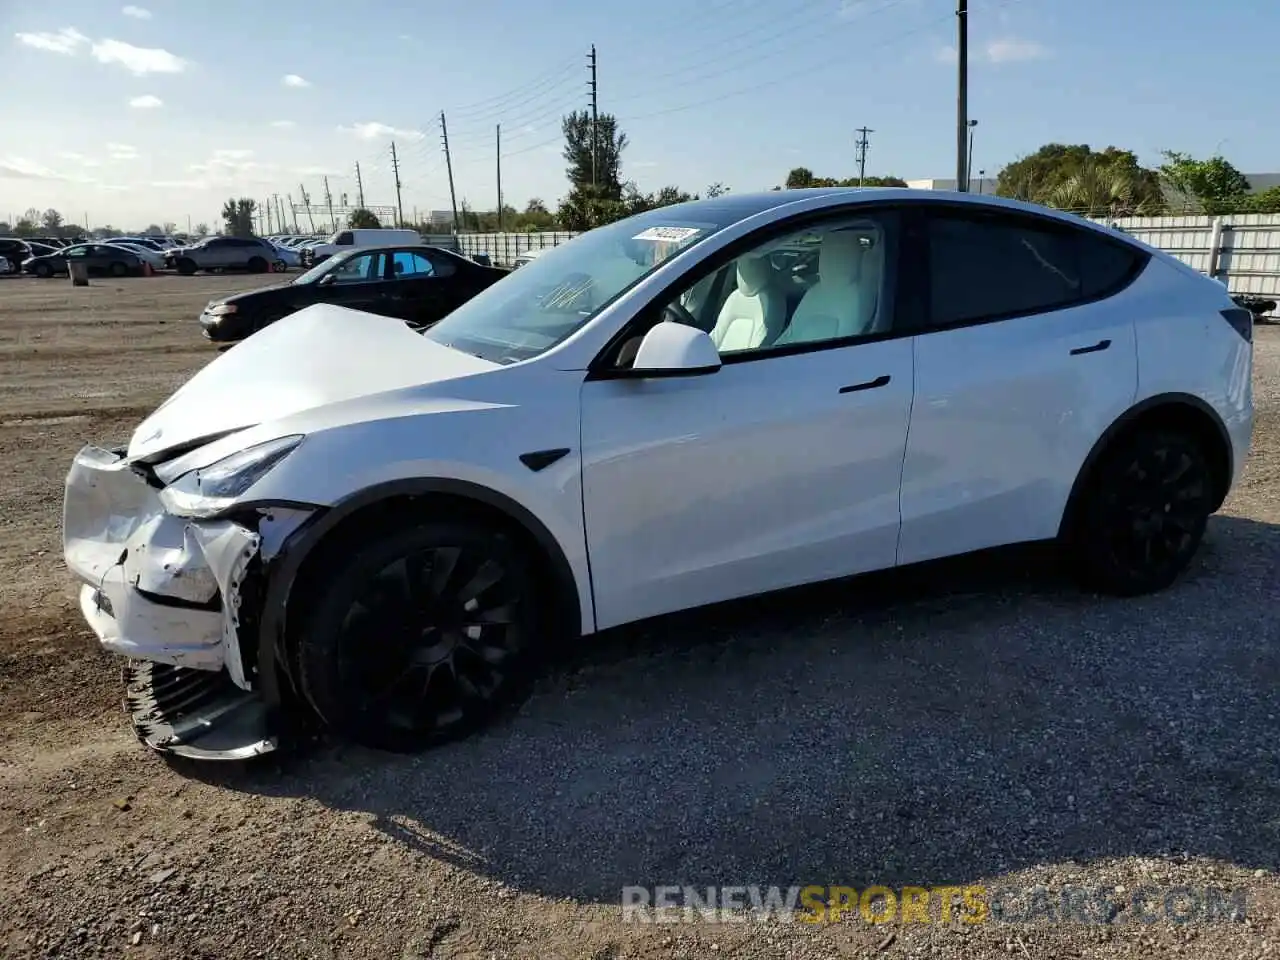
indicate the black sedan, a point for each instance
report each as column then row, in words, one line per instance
column 417, row 284
column 98, row 257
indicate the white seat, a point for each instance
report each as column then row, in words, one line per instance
column 840, row 304
column 754, row 312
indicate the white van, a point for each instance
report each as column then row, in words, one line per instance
column 345, row 239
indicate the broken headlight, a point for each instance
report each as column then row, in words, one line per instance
column 209, row 490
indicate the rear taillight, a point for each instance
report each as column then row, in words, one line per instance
column 1241, row 321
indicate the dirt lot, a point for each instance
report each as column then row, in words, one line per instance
column 968, row 724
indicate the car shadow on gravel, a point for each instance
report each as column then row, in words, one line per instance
column 933, row 725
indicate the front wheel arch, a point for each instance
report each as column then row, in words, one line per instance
column 1177, row 411
column 303, row 559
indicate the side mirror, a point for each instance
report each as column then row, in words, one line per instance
column 675, row 350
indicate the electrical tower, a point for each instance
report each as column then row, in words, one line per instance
column 395, row 169
column 595, row 118
column 862, row 144
column 328, row 202
column 448, row 165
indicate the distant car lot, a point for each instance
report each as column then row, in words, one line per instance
column 980, row 722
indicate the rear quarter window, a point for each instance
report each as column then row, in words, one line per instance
column 1106, row 267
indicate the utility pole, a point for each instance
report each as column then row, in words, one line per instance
column 284, row 225
column 862, row 145
column 306, row 202
column 328, row 200
column 498, row 153
column 395, row 168
column 448, row 165
column 359, row 188
column 962, row 94
column 595, row 119
column 294, row 211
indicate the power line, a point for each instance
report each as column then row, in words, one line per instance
column 699, row 73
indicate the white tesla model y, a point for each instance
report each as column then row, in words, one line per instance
column 348, row 521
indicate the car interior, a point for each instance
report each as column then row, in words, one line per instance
column 817, row 285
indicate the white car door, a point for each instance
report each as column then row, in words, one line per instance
column 782, row 467
column 1026, row 358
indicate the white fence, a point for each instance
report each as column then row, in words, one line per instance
column 503, row 248
column 1242, row 250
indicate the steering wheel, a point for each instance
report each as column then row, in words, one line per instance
column 676, row 313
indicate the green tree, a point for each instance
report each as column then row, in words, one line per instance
column 1078, row 178
column 609, row 142
column 202, row 230
column 237, row 216
column 362, row 219
column 25, row 227
column 716, row 189
column 534, row 218
column 51, row 221
column 1214, row 184
column 802, row 177
column 1264, row 201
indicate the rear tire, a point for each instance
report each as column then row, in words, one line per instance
column 187, row 267
column 1143, row 514
column 258, row 265
column 118, row 269
column 42, row 270
column 421, row 636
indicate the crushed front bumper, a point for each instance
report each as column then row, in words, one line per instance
column 166, row 592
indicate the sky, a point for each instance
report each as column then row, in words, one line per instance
column 158, row 111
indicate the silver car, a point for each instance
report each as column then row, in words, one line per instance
column 223, row 253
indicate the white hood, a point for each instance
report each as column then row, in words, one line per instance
column 320, row 355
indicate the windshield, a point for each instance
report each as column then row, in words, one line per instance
column 321, row 268
column 554, row 294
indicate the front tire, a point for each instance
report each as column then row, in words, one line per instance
column 421, row 636
column 1144, row 513
column 42, row 270
column 187, row 267
column 118, row 269
column 258, row 265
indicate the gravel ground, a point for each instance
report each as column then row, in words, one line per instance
column 967, row 723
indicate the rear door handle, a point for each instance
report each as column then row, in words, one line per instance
column 1096, row 348
column 881, row 381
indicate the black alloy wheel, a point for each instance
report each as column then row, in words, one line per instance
column 421, row 637
column 1145, row 513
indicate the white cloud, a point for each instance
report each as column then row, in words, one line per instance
column 16, row 168
column 138, row 60
column 122, row 151
column 318, row 172
column 293, row 80
column 146, row 102
column 373, row 130
column 1002, row 50
column 19, row 168
column 68, row 40
column 138, row 13
column 79, row 158
column 283, row 124
column 1012, row 49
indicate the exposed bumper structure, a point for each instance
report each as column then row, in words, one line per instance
column 166, row 592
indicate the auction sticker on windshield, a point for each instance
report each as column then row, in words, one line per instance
column 667, row 234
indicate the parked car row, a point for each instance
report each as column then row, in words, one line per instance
column 47, row 256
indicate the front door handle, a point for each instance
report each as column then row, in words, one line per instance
column 881, row 381
column 1096, row 348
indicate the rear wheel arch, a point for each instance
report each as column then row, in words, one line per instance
column 303, row 561
column 1177, row 411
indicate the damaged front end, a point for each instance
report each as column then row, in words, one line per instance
column 181, row 597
